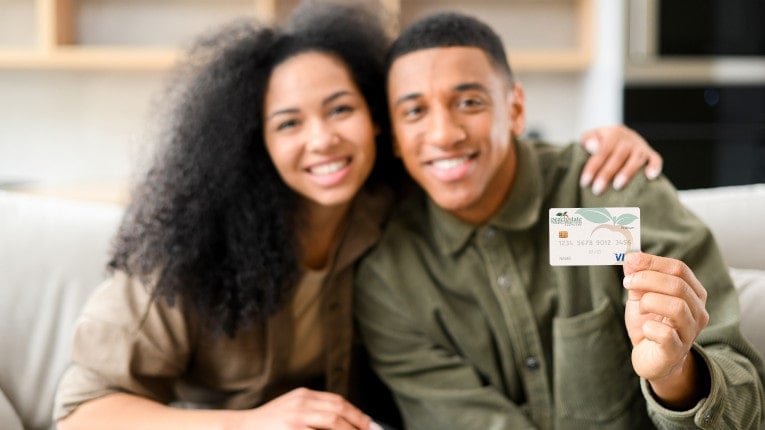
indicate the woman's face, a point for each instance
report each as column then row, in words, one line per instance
column 318, row 129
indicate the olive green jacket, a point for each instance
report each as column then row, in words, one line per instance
column 473, row 329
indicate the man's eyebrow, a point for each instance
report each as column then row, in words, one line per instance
column 467, row 86
column 407, row 97
column 470, row 86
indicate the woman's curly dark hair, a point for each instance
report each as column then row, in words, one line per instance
column 212, row 223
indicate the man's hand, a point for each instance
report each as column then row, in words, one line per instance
column 665, row 312
column 617, row 154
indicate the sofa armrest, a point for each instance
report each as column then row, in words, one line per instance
column 736, row 217
column 8, row 416
column 53, row 254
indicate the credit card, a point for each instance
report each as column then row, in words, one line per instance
column 593, row 236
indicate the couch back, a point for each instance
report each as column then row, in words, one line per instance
column 53, row 253
column 736, row 216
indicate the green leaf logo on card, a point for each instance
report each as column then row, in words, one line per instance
column 619, row 224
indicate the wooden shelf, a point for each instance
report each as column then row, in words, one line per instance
column 116, row 193
column 56, row 46
column 541, row 35
column 87, row 58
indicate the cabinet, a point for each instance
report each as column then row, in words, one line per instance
column 543, row 35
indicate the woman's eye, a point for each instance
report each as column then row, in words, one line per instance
column 283, row 125
column 342, row 109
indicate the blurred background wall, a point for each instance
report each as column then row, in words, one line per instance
column 82, row 123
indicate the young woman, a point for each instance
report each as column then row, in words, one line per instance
column 230, row 295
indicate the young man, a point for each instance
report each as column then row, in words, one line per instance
column 465, row 318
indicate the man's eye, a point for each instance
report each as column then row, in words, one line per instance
column 470, row 103
column 413, row 112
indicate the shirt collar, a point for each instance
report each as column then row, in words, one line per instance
column 368, row 212
column 519, row 211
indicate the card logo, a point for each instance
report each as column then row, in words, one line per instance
column 563, row 218
column 604, row 219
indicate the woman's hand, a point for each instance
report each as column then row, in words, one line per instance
column 299, row 409
column 302, row 408
column 617, row 154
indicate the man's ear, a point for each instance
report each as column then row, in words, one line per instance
column 517, row 109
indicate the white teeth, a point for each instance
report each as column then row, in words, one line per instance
column 329, row 168
column 450, row 163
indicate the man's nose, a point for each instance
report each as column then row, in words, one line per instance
column 443, row 130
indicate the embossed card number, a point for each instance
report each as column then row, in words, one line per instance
column 593, row 236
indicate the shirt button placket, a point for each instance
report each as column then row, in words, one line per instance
column 532, row 363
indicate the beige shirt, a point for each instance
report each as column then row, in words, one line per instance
column 307, row 344
column 127, row 342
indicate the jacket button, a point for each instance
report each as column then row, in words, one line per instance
column 489, row 233
column 503, row 281
column 532, row 363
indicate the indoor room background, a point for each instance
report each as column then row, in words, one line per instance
column 79, row 78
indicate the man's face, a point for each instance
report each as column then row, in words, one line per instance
column 453, row 119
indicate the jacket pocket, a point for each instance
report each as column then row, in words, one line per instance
column 594, row 380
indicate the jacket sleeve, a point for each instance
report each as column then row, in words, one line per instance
column 434, row 387
column 736, row 399
column 124, row 341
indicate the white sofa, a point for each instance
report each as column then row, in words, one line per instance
column 53, row 253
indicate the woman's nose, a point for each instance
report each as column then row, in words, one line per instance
column 321, row 135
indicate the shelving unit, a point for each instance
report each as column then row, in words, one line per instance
column 61, row 40
column 540, row 35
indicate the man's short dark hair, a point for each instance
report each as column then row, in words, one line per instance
column 447, row 29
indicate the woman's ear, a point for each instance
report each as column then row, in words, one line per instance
column 517, row 109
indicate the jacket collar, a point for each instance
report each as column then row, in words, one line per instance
column 369, row 211
column 519, row 211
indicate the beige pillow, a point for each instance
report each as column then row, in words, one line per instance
column 8, row 417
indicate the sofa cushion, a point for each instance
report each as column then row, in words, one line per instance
column 8, row 416
column 734, row 214
column 53, row 254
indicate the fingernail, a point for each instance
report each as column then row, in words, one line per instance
column 585, row 180
column 652, row 173
column 619, row 182
column 374, row 426
column 591, row 145
column 627, row 281
column 599, row 186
